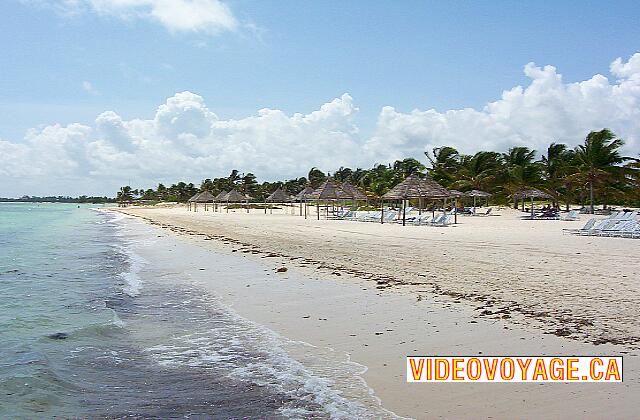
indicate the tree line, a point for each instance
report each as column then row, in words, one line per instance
column 593, row 173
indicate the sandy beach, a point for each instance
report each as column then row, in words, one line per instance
column 489, row 285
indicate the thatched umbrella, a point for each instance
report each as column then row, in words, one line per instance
column 192, row 200
column 355, row 192
column 329, row 190
column 278, row 196
column 531, row 193
column 455, row 194
column 414, row 187
column 477, row 193
column 234, row 196
column 302, row 196
column 204, row 197
column 220, row 197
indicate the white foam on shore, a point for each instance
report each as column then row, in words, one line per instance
column 132, row 280
column 310, row 376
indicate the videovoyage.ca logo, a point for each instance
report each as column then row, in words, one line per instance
column 514, row 369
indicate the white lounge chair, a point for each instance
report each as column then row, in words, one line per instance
column 572, row 215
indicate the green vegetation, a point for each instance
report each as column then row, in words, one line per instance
column 594, row 173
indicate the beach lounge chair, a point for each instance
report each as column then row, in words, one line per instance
column 422, row 219
column 445, row 220
column 586, row 228
column 621, row 229
column 369, row 216
column 572, row 215
column 486, row 213
column 599, row 226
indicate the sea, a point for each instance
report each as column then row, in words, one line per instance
column 90, row 328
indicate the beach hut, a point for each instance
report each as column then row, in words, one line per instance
column 278, row 196
column 204, row 197
column 192, row 200
column 234, row 196
column 477, row 193
column 219, row 198
column 301, row 197
column 356, row 193
column 414, row 187
column 531, row 193
column 455, row 194
column 329, row 190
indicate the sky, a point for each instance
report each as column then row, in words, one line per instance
column 95, row 94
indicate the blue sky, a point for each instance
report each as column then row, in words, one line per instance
column 409, row 54
column 67, row 61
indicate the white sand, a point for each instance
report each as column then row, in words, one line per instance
column 542, row 280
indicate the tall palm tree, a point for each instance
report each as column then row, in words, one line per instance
column 477, row 172
column 555, row 166
column 520, row 170
column 598, row 162
column 445, row 163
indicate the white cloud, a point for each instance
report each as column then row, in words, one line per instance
column 185, row 140
column 546, row 110
column 205, row 16
column 88, row 87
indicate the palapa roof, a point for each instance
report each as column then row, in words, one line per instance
column 477, row 193
column 204, row 197
column 531, row 193
column 194, row 197
column 414, row 186
column 234, row 196
column 330, row 190
column 455, row 193
column 356, row 193
column 304, row 193
column 221, row 196
column 278, row 196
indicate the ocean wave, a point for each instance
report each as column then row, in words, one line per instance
column 327, row 384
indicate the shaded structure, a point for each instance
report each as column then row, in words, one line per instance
column 191, row 201
column 234, row 196
column 477, row 193
column 204, row 197
column 356, row 193
column 329, row 190
column 219, row 198
column 278, row 196
column 301, row 197
column 414, row 187
column 532, row 193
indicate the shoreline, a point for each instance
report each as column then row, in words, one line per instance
column 378, row 322
column 452, row 264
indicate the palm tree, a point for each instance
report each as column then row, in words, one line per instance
column 520, row 170
column 598, row 162
column 477, row 172
column 316, row 177
column 555, row 166
column 125, row 194
column 445, row 163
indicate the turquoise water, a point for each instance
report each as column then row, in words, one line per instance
column 75, row 331
column 54, row 273
column 91, row 329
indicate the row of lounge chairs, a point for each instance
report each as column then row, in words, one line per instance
column 391, row 216
column 621, row 225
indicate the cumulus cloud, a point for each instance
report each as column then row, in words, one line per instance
column 546, row 110
column 205, row 16
column 186, row 140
